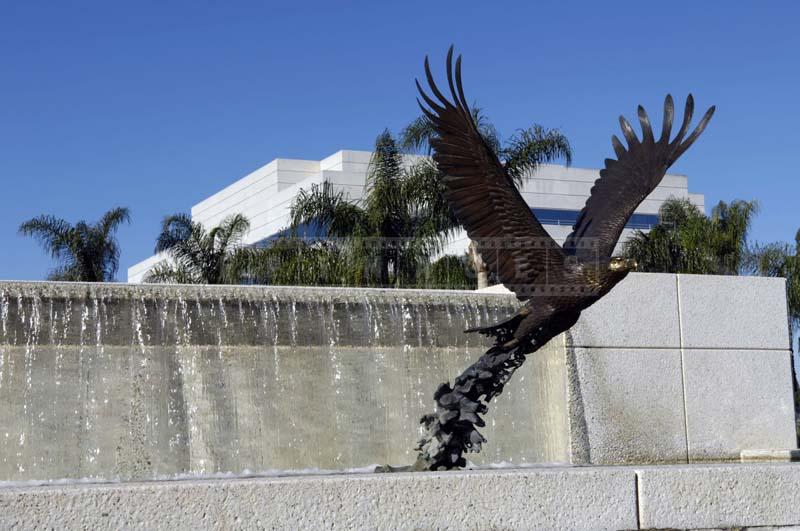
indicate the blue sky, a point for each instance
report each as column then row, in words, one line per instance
column 155, row 105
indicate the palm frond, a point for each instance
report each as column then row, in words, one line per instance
column 528, row 148
column 416, row 136
column 732, row 223
column 166, row 273
column 65, row 273
column 486, row 128
column 686, row 241
column 230, row 232
column 174, row 229
column 85, row 252
column 431, row 212
column 331, row 210
column 112, row 219
column 53, row 234
column 383, row 191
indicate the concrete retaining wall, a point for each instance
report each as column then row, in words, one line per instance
column 590, row 498
column 681, row 368
column 141, row 382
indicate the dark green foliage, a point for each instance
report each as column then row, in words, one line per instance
column 389, row 237
column 779, row 259
column 197, row 256
column 449, row 272
column 83, row 252
column 531, row 147
column 687, row 241
column 291, row 262
column 328, row 208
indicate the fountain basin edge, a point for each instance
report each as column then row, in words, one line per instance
column 595, row 498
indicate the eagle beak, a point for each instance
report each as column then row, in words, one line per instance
column 632, row 264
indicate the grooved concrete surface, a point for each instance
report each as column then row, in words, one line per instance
column 584, row 498
column 632, row 405
column 681, row 368
column 556, row 498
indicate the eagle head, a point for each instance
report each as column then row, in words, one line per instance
column 619, row 264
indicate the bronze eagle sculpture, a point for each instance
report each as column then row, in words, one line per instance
column 556, row 282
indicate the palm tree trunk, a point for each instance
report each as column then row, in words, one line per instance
column 383, row 273
column 479, row 265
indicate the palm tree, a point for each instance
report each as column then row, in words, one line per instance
column 404, row 219
column 779, row 259
column 401, row 222
column 197, row 256
column 83, row 252
column 449, row 271
column 291, row 261
column 388, row 238
column 730, row 224
column 521, row 154
column 687, row 241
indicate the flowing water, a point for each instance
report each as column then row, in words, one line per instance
column 136, row 382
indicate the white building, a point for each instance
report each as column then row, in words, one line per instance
column 555, row 193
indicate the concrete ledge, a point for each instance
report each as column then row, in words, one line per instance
column 592, row 498
column 543, row 498
column 719, row 496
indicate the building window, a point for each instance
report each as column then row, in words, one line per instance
column 310, row 231
column 548, row 216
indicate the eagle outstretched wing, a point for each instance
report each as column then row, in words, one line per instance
column 627, row 180
column 483, row 197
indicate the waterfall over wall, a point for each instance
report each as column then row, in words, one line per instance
column 135, row 381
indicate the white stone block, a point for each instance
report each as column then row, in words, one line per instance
column 733, row 312
column 719, row 496
column 626, row 406
column 738, row 400
column 641, row 311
